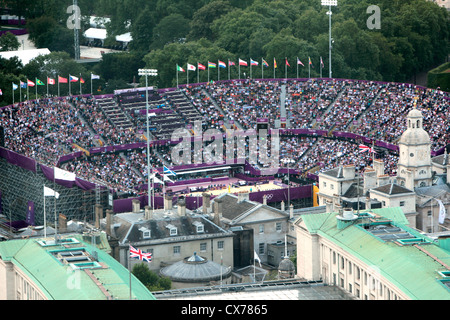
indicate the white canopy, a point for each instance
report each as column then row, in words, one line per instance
column 25, row 56
column 95, row 33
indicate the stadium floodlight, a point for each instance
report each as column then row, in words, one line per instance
column 288, row 161
column 146, row 73
column 329, row 4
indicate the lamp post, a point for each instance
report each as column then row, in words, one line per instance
column 329, row 3
column 288, row 161
column 146, row 73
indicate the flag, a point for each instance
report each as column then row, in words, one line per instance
column 166, row 178
column 50, row 81
column 168, row 171
column 72, row 78
column 61, row 174
column 310, row 63
column 321, row 62
column 23, row 85
column 231, row 63
column 191, row 67
column 50, row 193
column 211, row 65
column 222, row 64
column 94, row 76
column 364, row 148
column 299, row 62
column 30, row 83
column 442, row 212
column 253, row 63
column 1, row 92
column 264, row 63
column 39, row 82
column 274, row 63
column 256, row 257
column 200, row 66
column 137, row 253
column 287, row 63
column 62, row 80
column 81, row 80
column 242, row 62
column 180, row 68
column 15, row 86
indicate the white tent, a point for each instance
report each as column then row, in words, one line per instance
column 95, row 33
column 126, row 37
column 25, row 56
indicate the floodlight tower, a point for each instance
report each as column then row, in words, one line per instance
column 329, row 3
column 75, row 34
column 146, row 73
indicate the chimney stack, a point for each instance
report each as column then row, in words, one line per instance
column 168, row 202
column 282, row 206
column 265, row 199
column 98, row 210
column 217, row 211
column 349, row 172
column 181, row 206
column 148, row 214
column 136, row 205
column 109, row 219
column 62, row 222
column 291, row 211
column 206, row 202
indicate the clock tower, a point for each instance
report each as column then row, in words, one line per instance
column 414, row 164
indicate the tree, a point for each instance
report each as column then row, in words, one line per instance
column 9, row 42
column 173, row 28
column 142, row 31
column 150, row 279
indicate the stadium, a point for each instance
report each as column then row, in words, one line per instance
column 101, row 140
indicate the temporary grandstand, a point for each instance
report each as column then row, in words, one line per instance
column 102, row 139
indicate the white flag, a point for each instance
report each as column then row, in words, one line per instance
column 94, row 76
column 61, row 174
column 50, row 193
column 166, row 178
column 190, row 67
column 256, row 257
column 442, row 212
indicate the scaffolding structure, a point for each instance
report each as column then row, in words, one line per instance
column 18, row 186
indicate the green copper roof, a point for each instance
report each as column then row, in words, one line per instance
column 61, row 281
column 412, row 270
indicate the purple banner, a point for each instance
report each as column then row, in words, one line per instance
column 30, row 213
column 279, row 195
column 83, row 184
column 18, row 159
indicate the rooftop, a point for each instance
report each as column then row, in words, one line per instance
column 382, row 238
column 72, row 269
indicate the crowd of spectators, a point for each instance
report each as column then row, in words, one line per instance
column 50, row 128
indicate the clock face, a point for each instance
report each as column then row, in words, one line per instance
column 411, row 154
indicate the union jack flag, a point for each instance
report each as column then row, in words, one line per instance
column 364, row 148
column 137, row 253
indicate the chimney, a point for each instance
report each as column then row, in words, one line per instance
column 148, row 214
column 136, row 205
column 291, row 211
column 329, row 206
column 217, row 211
column 168, row 202
column 378, row 166
column 98, row 210
column 265, row 199
column 206, row 202
column 181, row 206
column 243, row 196
column 368, row 205
column 282, row 206
column 447, row 166
column 383, row 180
column 349, row 172
column 109, row 219
column 370, row 179
column 62, row 222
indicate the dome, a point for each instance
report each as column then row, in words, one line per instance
column 286, row 265
column 195, row 269
column 415, row 113
column 414, row 134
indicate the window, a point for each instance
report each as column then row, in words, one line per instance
column 261, row 248
column 332, row 186
column 342, row 263
column 220, row 245
column 172, row 229
column 261, row 228
column 278, row 226
column 176, row 249
column 203, row 246
column 349, row 267
column 324, row 184
column 402, row 203
column 199, row 226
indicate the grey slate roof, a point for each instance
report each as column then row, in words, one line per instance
column 392, row 189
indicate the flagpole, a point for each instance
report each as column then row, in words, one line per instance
column 274, row 68
column 28, row 91
column 208, row 71
column 198, row 73
column 239, row 70
column 187, row 76
column 177, row 81
column 91, row 83
column 297, row 67
column 285, row 68
column 80, row 85
column 70, row 93
column 45, row 216
column 262, row 68
column 321, row 67
column 13, row 91
column 36, row 87
column 58, row 87
column 129, row 269
column 47, row 87
column 20, row 91
column 229, row 69
column 309, row 67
